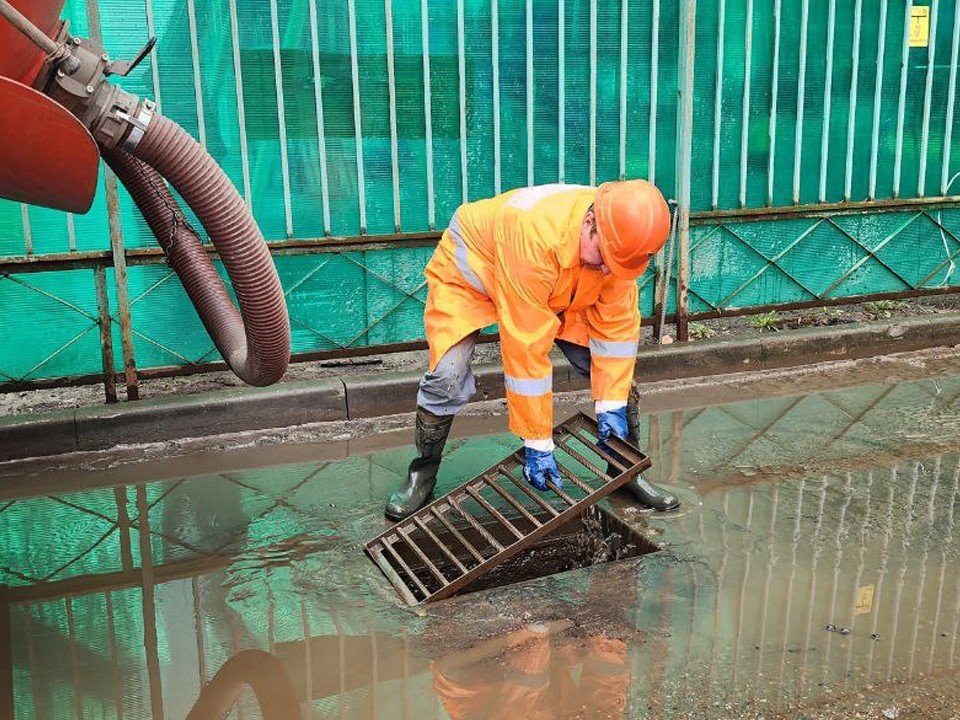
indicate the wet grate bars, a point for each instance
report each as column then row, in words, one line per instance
column 456, row 539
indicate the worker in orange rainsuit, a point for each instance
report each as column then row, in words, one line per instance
column 549, row 264
column 535, row 680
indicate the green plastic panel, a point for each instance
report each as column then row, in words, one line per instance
column 829, row 117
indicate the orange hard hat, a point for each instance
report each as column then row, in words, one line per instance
column 633, row 221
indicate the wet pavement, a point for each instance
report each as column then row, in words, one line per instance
column 813, row 566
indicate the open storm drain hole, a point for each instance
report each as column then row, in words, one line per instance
column 596, row 536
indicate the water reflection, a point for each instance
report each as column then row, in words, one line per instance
column 835, row 509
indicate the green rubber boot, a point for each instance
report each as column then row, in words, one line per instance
column 644, row 492
column 430, row 436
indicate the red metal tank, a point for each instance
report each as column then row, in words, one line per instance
column 20, row 59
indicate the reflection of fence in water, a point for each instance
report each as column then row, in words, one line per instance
column 784, row 552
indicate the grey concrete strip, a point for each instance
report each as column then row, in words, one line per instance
column 375, row 395
column 37, row 435
column 223, row 411
column 381, row 394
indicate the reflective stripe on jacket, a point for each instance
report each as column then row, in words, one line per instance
column 515, row 260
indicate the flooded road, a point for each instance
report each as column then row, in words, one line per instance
column 812, row 572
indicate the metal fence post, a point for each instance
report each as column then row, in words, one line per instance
column 116, row 245
column 688, row 31
column 106, row 335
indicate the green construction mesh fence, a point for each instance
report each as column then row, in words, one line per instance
column 377, row 117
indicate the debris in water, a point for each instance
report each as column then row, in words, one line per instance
column 891, row 713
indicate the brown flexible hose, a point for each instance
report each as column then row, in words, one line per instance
column 263, row 673
column 255, row 342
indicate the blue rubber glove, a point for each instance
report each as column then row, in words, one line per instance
column 539, row 466
column 612, row 423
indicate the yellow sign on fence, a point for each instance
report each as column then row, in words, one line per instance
column 919, row 26
column 864, row 600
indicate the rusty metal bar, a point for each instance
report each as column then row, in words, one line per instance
column 392, row 576
column 514, row 502
column 561, row 494
column 412, row 544
column 583, row 461
column 120, row 278
column 572, row 477
column 497, row 515
column 436, row 541
column 621, row 462
column 477, row 526
column 406, row 568
column 530, row 493
column 106, row 335
column 458, row 535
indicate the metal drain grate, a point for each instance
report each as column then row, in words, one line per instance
column 451, row 542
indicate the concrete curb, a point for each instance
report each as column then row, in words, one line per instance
column 368, row 396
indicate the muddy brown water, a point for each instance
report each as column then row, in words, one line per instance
column 812, row 571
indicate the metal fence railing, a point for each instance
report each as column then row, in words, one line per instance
column 810, row 146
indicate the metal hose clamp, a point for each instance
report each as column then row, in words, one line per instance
column 140, row 124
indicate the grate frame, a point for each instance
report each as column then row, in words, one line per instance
column 421, row 533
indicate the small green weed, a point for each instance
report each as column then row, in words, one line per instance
column 766, row 321
column 882, row 308
column 699, row 331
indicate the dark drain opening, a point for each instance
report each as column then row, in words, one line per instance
column 596, row 536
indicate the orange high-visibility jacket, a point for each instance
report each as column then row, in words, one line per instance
column 515, row 260
column 535, row 681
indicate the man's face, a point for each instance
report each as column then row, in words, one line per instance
column 590, row 244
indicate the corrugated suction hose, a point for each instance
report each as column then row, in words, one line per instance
column 259, row 671
column 255, row 342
